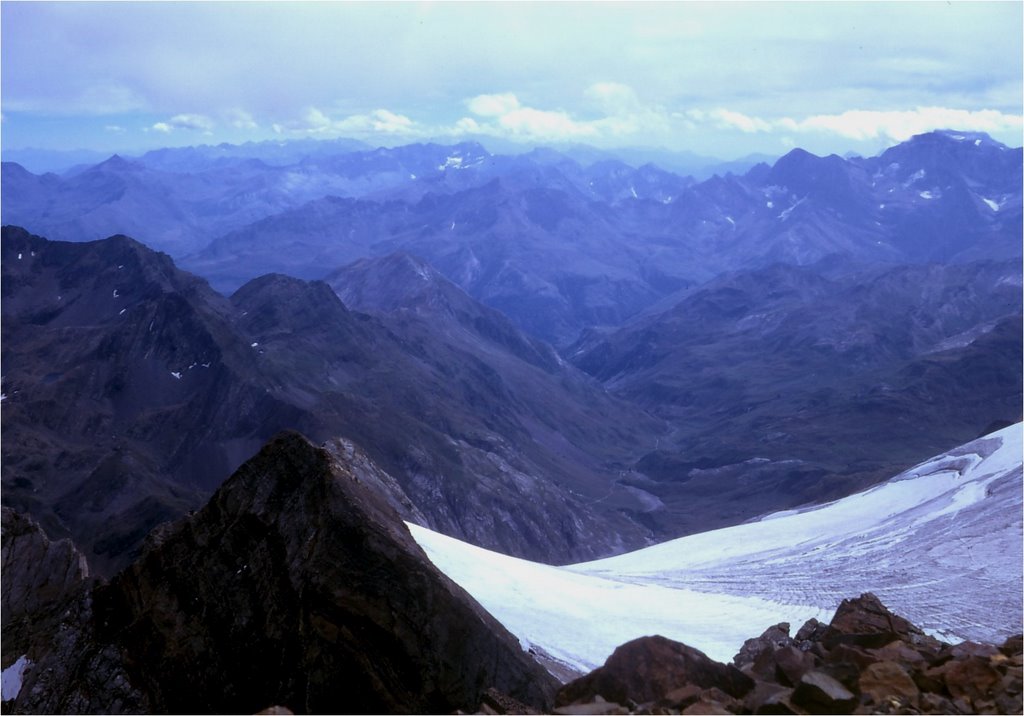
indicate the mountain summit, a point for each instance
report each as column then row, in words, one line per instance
column 297, row 585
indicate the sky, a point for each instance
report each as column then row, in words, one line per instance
column 723, row 79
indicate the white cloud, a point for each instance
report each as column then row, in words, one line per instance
column 316, row 122
column 493, row 105
column 902, row 125
column 162, row 127
column 115, row 128
column 614, row 97
column 737, row 120
column 379, row 120
column 622, row 115
column 529, row 122
column 862, row 125
column 467, row 125
column 194, row 122
column 240, row 119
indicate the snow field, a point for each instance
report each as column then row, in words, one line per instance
column 940, row 544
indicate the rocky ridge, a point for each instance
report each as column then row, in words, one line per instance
column 866, row 660
column 297, row 585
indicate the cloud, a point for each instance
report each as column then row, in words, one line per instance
column 194, row 122
column 614, row 97
column 379, row 120
column 115, row 128
column 190, row 122
column 492, row 105
column 316, row 122
column 902, row 125
column 863, row 125
column 622, row 114
column 240, row 119
column 537, row 123
column 728, row 119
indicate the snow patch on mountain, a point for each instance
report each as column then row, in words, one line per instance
column 940, row 544
column 11, row 678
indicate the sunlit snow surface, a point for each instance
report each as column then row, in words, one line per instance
column 940, row 544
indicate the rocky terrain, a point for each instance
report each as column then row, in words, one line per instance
column 297, row 585
column 866, row 660
column 132, row 390
column 297, row 589
column 828, row 377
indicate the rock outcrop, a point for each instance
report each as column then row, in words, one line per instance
column 867, row 660
column 297, row 586
column 41, row 579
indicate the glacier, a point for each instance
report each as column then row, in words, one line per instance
column 940, row 544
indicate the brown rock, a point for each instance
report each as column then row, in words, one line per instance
column 866, row 622
column 648, row 668
column 861, row 658
column 1013, row 646
column 844, row 672
column 1009, row 701
column 502, row 703
column 970, row 648
column 680, row 698
column 930, row 703
column 811, row 631
column 768, row 698
column 931, row 680
column 901, row 652
column 819, row 693
column 791, row 664
column 773, row 638
column 706, row 707
column 597, row 708
column 972, row 678
column 885, row 681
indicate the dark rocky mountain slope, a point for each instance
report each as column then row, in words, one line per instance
column 793, row 384
column 296, row 585
column 132, row 390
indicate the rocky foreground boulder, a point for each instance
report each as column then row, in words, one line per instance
column 866, row 660
column 296, row 586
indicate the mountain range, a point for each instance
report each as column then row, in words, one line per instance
column 232, row 372
column 132, row 390
column 720, row 348
column 556, row 245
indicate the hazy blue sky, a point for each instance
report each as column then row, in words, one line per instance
column 721, row 78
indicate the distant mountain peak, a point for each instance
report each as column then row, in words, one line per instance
column 948, row 136
column 118, row 163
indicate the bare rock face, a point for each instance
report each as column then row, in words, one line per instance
column 41, row 579
column 867, row 660
column 296, row 586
